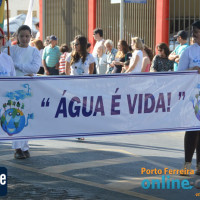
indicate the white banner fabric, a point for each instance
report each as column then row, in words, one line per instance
column 75, row 106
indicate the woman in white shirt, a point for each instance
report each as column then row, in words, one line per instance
column 80, row 62
column 137, row 56
column 27, row 61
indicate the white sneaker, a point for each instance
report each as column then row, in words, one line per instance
column 186, row 169
column 197, row 172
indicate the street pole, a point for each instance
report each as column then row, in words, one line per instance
column 121, row 20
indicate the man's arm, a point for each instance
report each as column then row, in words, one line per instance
column 67, row 68
column 173, row 56
column 45, row 67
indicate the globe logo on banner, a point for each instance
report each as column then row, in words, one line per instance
column 13, row 119
column 3, row 181
column 195, row 99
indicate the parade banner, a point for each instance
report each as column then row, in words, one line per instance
column 75, row 106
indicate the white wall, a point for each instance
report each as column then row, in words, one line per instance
column 15, row 5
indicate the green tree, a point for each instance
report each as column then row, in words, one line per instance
column 18, row 104
column 22, row 106
column 4, row 106
column 9, row 103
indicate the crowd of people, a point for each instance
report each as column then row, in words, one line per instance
column 29, row 56
column 105, row 58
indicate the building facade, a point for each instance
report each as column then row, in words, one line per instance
column 17, row 7
column 156, row 21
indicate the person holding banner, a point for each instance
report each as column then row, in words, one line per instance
column 27, row 62
column 190, row 60
column 26, row 59
column 6, row 64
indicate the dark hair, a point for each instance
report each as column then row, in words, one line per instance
column 83, row 50
column 149, row 52
column 130, row 48
column 64, row 48
column 37, row 24
column 23, row 28
column 88, row 45
column 99, row 31
column 125, row 47
column 164, row 47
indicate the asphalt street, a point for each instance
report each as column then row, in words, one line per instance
column 98, row 168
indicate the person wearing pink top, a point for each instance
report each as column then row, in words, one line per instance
column 64, row 50
column 147, row 58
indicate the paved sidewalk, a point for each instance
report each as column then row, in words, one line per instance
column 99, row 168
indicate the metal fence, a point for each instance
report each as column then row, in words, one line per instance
column 182, row 14
column 65, row 19
column 139, row 20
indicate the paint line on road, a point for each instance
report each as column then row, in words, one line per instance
column 90, row 164
column 46, row 153
column 80, row 181
column 153, row 162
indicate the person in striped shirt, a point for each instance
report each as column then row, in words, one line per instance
column 64, row 50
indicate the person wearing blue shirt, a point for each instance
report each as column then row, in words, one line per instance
column 190, row 60
column 176, row 54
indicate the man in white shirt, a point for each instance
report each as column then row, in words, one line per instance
column 98, row 36
column 37, row 26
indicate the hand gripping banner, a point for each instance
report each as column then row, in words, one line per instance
column 75, row 106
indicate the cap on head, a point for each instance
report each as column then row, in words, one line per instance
column 182, row 34
column 196, row 24
column 53, row 37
